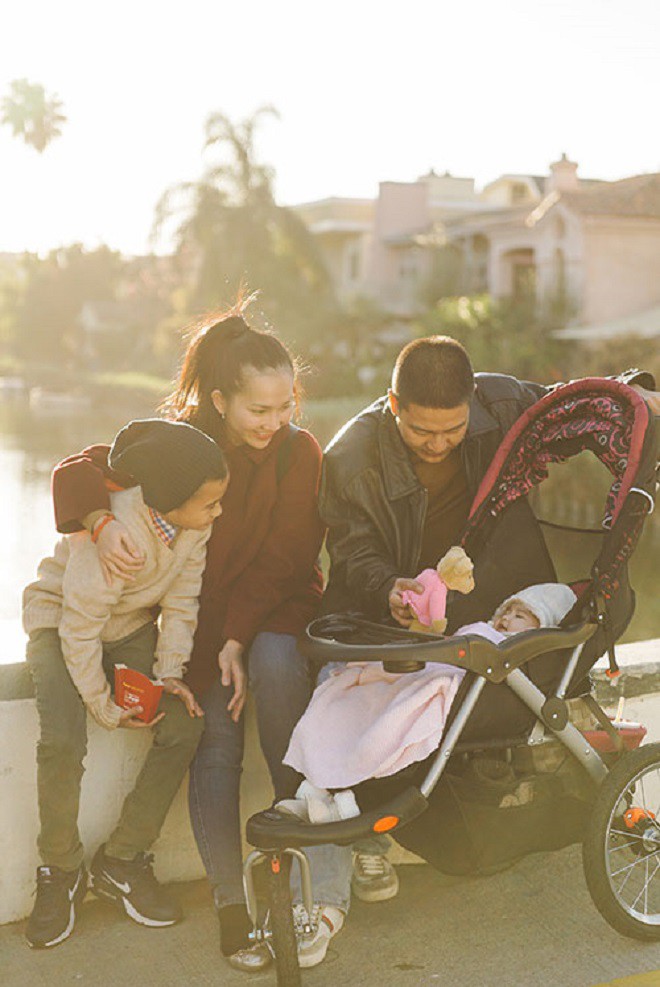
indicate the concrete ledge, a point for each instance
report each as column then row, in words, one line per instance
column 112, row 764
column 114, row 760
column 16, row 682
column 639, row 662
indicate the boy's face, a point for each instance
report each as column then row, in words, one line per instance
column 202, row 508
column 516, row 618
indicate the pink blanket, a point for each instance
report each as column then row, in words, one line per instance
column 364, row 722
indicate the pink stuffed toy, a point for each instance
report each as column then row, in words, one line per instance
column 454, row 571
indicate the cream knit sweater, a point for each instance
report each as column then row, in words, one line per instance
column 71, row 594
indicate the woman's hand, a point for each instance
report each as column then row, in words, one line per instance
column 118, row 554
column 230, row 661
column 176, row 687
column 400, row 610
column 129, row 718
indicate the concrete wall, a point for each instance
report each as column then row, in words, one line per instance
column 112, row 764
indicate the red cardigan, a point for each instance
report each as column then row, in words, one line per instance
column 261, row 565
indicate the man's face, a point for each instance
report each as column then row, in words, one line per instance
column 430, row 433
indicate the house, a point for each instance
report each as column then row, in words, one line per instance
column 593, row 245
column 380, row 248
column 589, row 248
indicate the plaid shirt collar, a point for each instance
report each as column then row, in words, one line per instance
column 165, row 531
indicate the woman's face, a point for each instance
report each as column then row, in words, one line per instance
column 255, row 413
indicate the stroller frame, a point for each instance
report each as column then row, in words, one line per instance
column 279, row 837
column 612, row 421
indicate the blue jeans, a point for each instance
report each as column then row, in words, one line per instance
column 331, row 865
column 280, row 682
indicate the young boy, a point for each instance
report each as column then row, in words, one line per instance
column 79, row 628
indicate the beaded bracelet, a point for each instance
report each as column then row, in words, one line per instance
column 100, row 525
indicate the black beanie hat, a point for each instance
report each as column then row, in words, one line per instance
column 169, row 460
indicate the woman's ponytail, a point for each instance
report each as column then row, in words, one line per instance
column 221, row 351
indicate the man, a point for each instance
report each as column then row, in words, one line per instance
column 396, row 489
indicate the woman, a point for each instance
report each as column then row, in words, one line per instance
column 261, row 585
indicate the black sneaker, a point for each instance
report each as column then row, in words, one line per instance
column 59, row 892
column 131, row 883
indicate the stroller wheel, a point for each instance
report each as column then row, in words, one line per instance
column 621, row 851
column 283, row 938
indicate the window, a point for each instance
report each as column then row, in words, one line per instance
column 524, row 281
column 354, row 264
column 519, row 192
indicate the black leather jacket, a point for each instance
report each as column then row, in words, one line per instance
column 373, row 503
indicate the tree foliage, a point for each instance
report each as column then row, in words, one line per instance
column 31, row 114
column 229, row 231
column 506, row 336
column 52, row 292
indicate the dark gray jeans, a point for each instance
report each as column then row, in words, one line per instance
column 63, row 745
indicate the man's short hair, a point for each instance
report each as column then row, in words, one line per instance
column 433, row 372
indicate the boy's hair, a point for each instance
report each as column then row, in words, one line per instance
column 433, row 372
column 169, row 460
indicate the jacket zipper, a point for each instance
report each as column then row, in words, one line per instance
column 420, row 528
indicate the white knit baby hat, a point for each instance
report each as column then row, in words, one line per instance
column 550, row 602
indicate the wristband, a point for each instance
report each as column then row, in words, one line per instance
column 100, row 525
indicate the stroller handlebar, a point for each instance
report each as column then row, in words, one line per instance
column 345, row 637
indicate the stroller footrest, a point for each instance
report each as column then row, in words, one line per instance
column 273, row 830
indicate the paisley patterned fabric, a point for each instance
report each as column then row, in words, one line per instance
column 600, row 415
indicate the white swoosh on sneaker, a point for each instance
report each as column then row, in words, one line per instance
column 75, row 887
column 118, row 884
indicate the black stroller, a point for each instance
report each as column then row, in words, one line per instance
column 486, row 797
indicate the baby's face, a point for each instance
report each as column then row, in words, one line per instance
column 516, row 618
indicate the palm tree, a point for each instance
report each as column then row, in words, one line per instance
column 31, row 114
column 231, row 231
column 249, row 180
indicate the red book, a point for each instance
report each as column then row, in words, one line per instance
column 133, row 688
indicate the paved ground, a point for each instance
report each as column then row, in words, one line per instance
column 532, row 925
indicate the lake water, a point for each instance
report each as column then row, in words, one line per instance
column 32, row 442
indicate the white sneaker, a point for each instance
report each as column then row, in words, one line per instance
column 374, row 878
column 314, row 933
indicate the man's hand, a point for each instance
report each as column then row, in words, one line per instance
column 400, row 610
column 118, row 554
column 230, row 661
column 176, row 687
column 129, row 719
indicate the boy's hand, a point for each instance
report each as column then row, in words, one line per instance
column 129, row 719
column 232, row 672
column 118, row 554
column 400, row 610
column 176, row 687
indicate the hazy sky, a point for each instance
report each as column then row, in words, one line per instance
column 366, row 90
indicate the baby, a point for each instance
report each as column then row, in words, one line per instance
column 363, row 722
column 541, row 605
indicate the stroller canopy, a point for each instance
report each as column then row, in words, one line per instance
column 602, row 415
